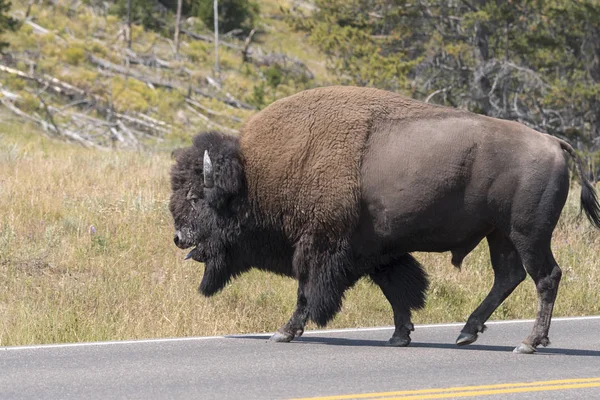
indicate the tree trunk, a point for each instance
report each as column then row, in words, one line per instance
column 177, row 25
column 216, row 11
column 129, row 23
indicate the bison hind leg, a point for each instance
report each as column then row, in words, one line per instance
column 404, row 283
column 508, row 274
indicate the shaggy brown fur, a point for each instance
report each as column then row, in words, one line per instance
column 303, row 154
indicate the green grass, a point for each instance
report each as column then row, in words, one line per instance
column 86, row 254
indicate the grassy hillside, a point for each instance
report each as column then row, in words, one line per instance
column 86, row 47
column 86, row 254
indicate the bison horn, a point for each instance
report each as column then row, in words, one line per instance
column 209, row 179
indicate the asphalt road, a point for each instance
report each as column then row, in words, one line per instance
column 344, row 364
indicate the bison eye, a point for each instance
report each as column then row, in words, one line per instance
column 191, row 196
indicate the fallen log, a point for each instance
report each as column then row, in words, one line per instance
column 128, row 132
column 40, row 30
column 107, row 65
column 286, row 63
column 118, row 129
column 211, row 112
column 50, row 127
column 209, row 122
column 155, row 121
column 229, row 100
column 197, row 36
column 114, row 68
column 55, row 85
column 141, row 124
column 209, row 39
column 147, row 60
column 148, row 124
column 9, row 95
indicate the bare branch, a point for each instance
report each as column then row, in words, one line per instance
column 444, row 90
column 247, row 44
column 50, row 116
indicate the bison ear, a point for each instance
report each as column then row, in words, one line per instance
column 223, row 176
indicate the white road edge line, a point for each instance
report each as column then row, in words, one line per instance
column 266, row 335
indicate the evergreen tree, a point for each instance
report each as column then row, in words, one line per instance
column 535, row 61
column 233, row 14
column 357, row 43
column 7, row 23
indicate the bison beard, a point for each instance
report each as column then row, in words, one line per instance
column 218, row 272
column 215, row 278
column 335, row 184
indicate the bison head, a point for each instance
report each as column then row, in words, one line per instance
column 208, row 203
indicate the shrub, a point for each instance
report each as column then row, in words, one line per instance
column 274, row 76
column 132, row 95
column 28, row 102
column 74, row 55
column 13, row 82
column 257, row 98
column 197, row 52
column 7, row 23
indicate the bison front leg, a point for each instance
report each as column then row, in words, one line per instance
column 295, row 326
column 331, row 271
column 404, row 283
column 325, row 271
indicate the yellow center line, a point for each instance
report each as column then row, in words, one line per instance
column 497, row 391
column 467, row 391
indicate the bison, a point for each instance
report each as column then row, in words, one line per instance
column 337, row 183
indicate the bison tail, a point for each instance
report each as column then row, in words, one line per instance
column 589, row 197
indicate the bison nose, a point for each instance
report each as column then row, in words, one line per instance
column 178, row 239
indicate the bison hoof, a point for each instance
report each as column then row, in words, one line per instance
column 282, row 337
column 397, row 341
column 524, row 348
column 465, row 339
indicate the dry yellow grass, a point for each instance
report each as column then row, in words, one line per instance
column 86, row 254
